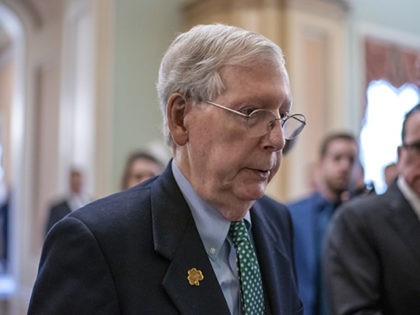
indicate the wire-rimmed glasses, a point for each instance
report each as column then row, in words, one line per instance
column 415, row 146
column 262, row 121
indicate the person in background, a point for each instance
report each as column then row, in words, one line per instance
column 311, row 215
column 140, row 166
column 201, row 238
column 390, row 173
column 75, row 199
column 358, row 187
column 372, row 258
column 4, row 232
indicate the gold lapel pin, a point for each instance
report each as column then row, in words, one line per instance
column 195, row 276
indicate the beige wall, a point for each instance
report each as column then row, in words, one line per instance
column 7, row 64
column 331, row 40
column 143, row 31
column 312, row 34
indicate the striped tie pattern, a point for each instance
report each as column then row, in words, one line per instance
column 252, row 298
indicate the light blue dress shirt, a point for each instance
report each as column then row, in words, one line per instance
column 213, row 229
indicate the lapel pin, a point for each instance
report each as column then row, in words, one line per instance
column 195, row 276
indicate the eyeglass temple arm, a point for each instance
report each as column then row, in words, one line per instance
column 228, row 109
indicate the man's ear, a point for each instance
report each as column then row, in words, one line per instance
column 176, row 110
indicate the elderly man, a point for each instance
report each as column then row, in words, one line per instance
column 372, row 260
column 201, row 238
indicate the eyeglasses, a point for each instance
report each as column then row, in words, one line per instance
column 262, row 121
column 415, row 146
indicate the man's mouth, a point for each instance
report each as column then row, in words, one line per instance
column 262, row 173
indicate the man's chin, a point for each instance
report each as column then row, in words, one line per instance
column 252, row 193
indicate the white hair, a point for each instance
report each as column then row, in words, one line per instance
column 192, row 63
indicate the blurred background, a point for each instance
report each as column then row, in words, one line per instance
column 77, row 88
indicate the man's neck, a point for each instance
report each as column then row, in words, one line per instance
column 328, row 194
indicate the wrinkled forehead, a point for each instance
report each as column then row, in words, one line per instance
column 273, row 71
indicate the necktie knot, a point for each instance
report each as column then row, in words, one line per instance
column 238, row 232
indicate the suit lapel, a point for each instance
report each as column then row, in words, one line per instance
column 177, row 239
column 404, row 220
column 272, row 260
column 207, row 297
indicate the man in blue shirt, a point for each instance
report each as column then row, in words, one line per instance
column 311, row 215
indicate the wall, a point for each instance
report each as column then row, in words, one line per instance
column 143, row 31
column 400, row 16
column 388, row 19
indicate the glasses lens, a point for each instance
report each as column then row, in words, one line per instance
column 413, row 146
column 262, row 121
column 259, row 123
column 293, row 126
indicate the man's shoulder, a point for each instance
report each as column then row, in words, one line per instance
column 59, row 205
column 364, row 203
column 268, row 202
column 272, row 210
column 366, row 209
column 115, row 207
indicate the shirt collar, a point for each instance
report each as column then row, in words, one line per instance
column 322, row 203
column 211, row 225
column 76, row 201
column 412, row 198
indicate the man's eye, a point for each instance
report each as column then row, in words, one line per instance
column 248, row 111
column 283, row 115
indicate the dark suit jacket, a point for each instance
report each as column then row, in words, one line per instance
column 56, row 212
column 130, row 253
column 372, row 262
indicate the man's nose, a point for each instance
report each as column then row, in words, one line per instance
column 275, row 137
